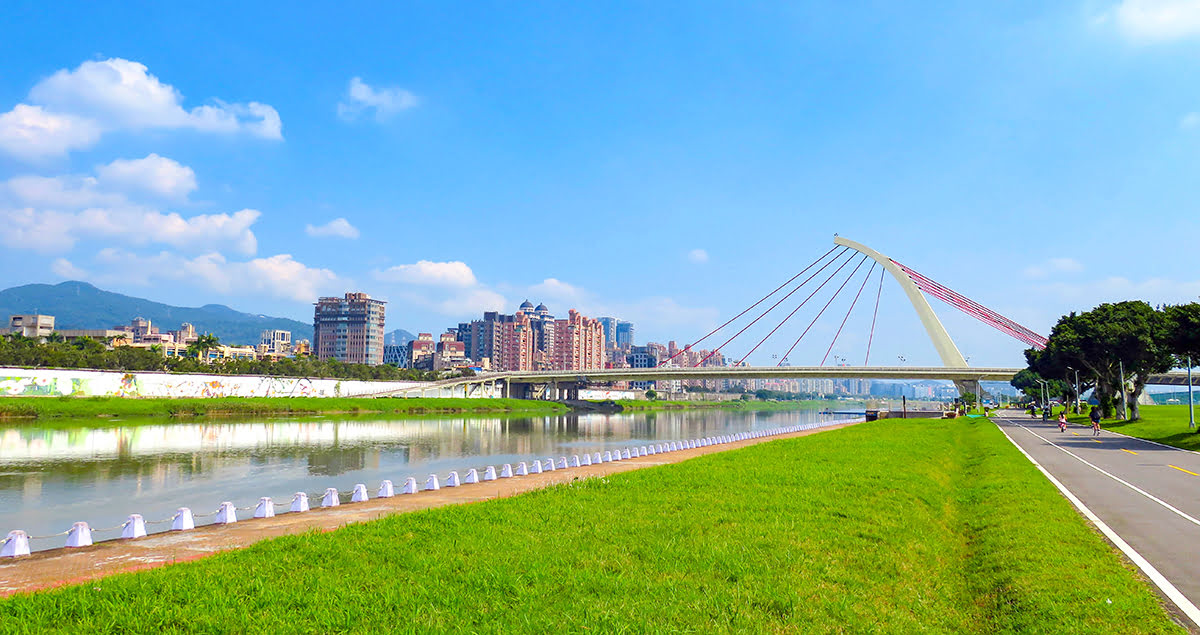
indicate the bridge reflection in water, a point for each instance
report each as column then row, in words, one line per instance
column 53, row 476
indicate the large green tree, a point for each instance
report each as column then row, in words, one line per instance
column 1183, row 332
column 1100, row 341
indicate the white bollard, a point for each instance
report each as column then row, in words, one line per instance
column 299, row 502
column 183, row 520
column 410, row 486
column 634, row 453
column 489, row 474
column 80, row 535
column 625, row 453
column 587, row 459
column 386, row 490
column 331, row 498
column 265, row 508
column 647, row 450
column 432, row 483
column 549, row 465
column 522, row 469
column 134, row 527
column 608, row 457
column 360, row 493
column 536, row 467
column 597, row 459
column 17, row 544
column 562, row 463
column 506, row 471
column 471, row 477
column 226, row 514
column 452, row 480
column 575, row 460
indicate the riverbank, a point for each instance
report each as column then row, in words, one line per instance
column 899, row 526
column 639, row 405
column 43, row 408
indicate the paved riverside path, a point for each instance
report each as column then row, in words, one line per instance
column 1147, row 493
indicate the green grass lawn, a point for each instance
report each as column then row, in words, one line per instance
column 56, row 407
column 1166, row 424
column 892, row 526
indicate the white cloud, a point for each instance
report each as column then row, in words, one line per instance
column 1157, row 20
column 336, row 228
column 556, row 291
column 54, row 231
column 279, row 276
column 471, row 302
column 698, row 256
column 425, row 272
column 30, row 133
column 71, row 109
column 1190, row 121
column 63, row 268
column 361, row 99
column 60, row 192
column 1053, row 266
column 154, row 174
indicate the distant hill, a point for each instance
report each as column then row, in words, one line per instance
column 398, row 337
column 79, row 305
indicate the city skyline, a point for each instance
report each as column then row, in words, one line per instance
column 608, row 163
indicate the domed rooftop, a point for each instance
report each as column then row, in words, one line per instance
column 541, row 308
column 527, row 305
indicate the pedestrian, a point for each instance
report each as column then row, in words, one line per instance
column 1062, row 421
column 1095, row 416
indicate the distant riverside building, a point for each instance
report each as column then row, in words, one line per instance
column 396, row 355
column 421, row 351
column 31, row 325
column 578, row 344
column 349, row 329
column 275, row 341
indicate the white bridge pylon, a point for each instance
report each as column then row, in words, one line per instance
column 951, row 357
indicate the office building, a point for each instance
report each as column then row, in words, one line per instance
column 349, row 329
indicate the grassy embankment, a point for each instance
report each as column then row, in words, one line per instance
column 892, row 526
column 639, row 405
column 1164, row 424
column 61, row 407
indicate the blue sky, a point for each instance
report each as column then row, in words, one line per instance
column 667, row 163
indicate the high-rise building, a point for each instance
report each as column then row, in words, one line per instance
column 624, row 335
column 578, row 343
column 273, row 341
column 349, row 329
column 609, row 324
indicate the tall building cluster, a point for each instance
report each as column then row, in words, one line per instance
column 349, row 329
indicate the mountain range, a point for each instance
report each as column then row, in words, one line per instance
column 79, row 305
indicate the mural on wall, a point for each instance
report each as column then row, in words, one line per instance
column 25, row 382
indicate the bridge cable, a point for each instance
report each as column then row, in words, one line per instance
column 802, row 303
column 974, row 309
column 789, row 294
column 749, row 308
column 822, row 311
column 875, row 315
column 848, row 311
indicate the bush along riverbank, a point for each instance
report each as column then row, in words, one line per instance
column 894, row 526
column 63, row 407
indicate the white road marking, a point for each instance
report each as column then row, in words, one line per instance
column 1185, row 605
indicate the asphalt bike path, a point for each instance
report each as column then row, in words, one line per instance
column 1147, row 493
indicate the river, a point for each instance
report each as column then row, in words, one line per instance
column 101, row 472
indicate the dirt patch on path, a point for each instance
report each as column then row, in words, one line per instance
column 57, row 567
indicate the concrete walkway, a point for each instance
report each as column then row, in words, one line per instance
column 1141, row 493
column 58, row 567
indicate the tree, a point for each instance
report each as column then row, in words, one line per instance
column 203, row 345
column 1183, row 332
column 651, row 395
column 1098, row 342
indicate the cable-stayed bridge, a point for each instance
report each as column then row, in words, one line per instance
column 826, row 272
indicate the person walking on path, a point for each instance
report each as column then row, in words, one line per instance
column 1095, row 416
column 1062, row 421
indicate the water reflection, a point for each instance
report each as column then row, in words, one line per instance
column 51, row 477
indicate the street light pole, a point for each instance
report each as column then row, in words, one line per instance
column 1124, row 398
column 1191, row 404
column 1076, row 391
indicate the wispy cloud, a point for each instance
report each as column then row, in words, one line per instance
column 362, row 99
column 698, row 256
column 1150, row 21
column 1053, row 266
column 336, row 228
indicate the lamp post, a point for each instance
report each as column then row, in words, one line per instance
column 1124, row 398
column 1191, row 404
column 1075, row 388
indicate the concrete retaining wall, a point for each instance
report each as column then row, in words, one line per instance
column 24, row 382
